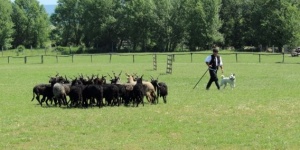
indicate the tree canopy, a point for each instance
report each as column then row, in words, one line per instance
column 31, row 23
column 6, row 24
column 151, row 25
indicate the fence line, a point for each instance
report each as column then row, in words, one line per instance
column 136, row 54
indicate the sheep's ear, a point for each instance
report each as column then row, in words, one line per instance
column 109, row 76
column 151, row 77
column 134, row 75
column 120, row 73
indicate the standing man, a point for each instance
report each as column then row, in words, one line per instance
column 213, row 62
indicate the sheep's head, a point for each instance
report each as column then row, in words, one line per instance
column 115, row 79
column 154, row 82
column 90, row 80
column 100, row 81
column 52, row 80
column 83, row 80
column 139, row 80
column 118, row 75
column 57, row 79
column 76, row 82
column 129, row 78
column 65, row 80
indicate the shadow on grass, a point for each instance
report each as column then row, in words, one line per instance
column 90, row 107
column 286, row 63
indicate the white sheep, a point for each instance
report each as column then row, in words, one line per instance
column 149, row 88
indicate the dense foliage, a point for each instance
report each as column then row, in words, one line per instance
column 6, row 24
column 151, row 25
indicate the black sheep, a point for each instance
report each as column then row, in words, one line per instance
column 123, row 94
column 161, row 89
column 138, row 92
column 44, row 90
column 76, row 92
column 111, row 94
column 90, row 92
column 110, row 91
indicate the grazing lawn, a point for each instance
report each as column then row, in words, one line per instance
column 262, row 112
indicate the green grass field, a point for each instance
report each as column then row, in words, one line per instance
column 262, row 112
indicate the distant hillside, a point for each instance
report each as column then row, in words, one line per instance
column 50, row 9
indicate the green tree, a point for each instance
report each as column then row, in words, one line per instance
column 6, row 24
column 141, row 20
column 204, row 24
column 67, row 19
column 31, row 23
column 275, row 23
column 232, row 18
column 161, row 27
column 99, row 17
column 178, row 23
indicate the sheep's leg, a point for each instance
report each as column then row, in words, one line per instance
column 165, row 99
column 98, row 102
column 154, row 97
column 148, row 96
column 55, row 101
column 119, row 101
column 38, row 98
column 65, row 102
column 134, row 100
column 137, row 101
column 113, row 102
column 142, row 100
column 43, row 99
column 47, row 101
column 79, row 101
column 92, row 101
column 157, row 95
column 71, row 102
column 59, row 102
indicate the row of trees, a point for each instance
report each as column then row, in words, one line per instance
column 146, row 25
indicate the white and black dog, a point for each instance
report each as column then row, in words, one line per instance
column 230, row 80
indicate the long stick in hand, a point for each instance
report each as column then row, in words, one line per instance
column 200, row 79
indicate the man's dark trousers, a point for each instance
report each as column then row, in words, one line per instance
column 213, row 78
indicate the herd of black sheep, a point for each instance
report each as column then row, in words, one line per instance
column 93, row 90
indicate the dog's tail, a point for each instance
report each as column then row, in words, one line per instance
column 222, row 76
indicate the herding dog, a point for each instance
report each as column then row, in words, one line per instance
column 230, row 80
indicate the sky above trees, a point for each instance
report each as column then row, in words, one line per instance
column 46, row 2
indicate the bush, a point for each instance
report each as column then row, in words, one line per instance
column 63, row 50
column 20, row 49
column 81, row 50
